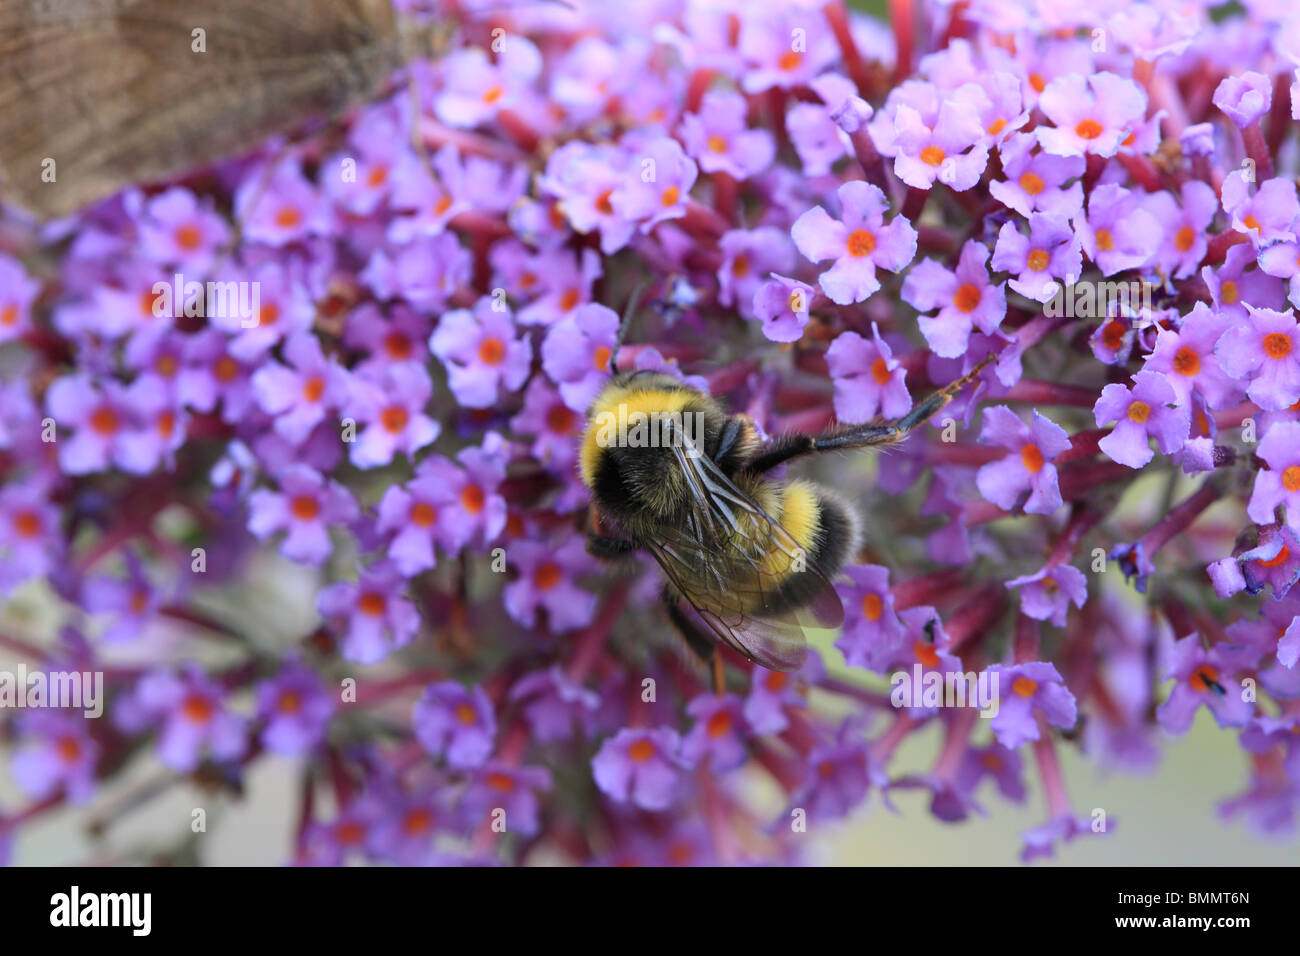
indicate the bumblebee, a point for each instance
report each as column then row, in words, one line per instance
column 748, row 559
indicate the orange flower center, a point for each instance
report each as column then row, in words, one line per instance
column 288, row 217
column 417, row 822
column 1032, row 183
column 394, row 419
column 718, row 724
column 1228, row 293
column 790, row 60
column 641, row 751
column 492, row 351
column 1024, row 687
column 1187, row 361
column 466, row 714
column 472, row 499
column 305, row 507
column 872, row 607
column 717, row 144
column 9, row 314
column 1250, row 222
column 997, row 126
column 570, row 299
column 314, row 389
column 775, row 680
column 1278, row 559
column 1088, row 129
column 967, row 298
column 423, row 514
column 502, row 782
column 1203, row 677
column 602, row 203
column 105, row 420
column 1184, row 238
column 493, row 93
column 1112, row 336
column 932, row 155
column 860, row 243
column 926, row 654
column 69, row 749
column 1105, row 242
column 600, row 360
column 547, row 575
column 290, row 702
column 197, row 709
column 1139, row 412
column 1277, row 345
column 397, row 346
column 371, row 603
column 1032, row 458
column 670, row 197
column 377, row 176
column 1291, row 478
column 27, row 523
column 880, row 371
column 1037, row 260
column 188, row 237
column 1037, row 83
column 560, row 419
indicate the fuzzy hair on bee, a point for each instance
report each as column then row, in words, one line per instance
column 750, row 557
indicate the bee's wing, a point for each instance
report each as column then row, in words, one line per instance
column 728, row 559
column 114, row 91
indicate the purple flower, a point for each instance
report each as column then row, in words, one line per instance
column 1050, row 252
column 1279, row 484
column 30, row 543
column 1048, row 593
column 1029, row 466
column 99, row 416
column 563, row 281
column 584, row 179
column 869, row 381
column 426, row 272
column 748, row 255
column 546, row 580
column 1187, row 359
column 281, row 209
column 1264, row 350
column 18, row 291
column 410, row 513
column 719, row 140
column 192, row 711
column 1203, row 678
column 1245, row 98
column 1036, row 181
column 966, row 299
column 498, row 786
column 771, row 693
column 1275, row 561
column 431, row 202
column 951, row 149
column 1186, row 227
column 639, row 767
column 378, row 620
column 55, row 752
column 782, row 304
column 859, row 241
column 177, row 229
column 576, row 353
column 1267, row 216
column 390, row 404
column 476, row 88
column 555, row 707
column 300, row 396
column 872, row 634
column 660, row 184
column 481, row 353
column 1118, row 233
column 837, row 782
column 1147, row 410
column 456, row 723
column 295, row 710
column 304, row 507
column 1090, row 114
column 1236, row 283
column 717, row 734
column 1026, row 690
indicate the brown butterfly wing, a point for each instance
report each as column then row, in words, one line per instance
column 727, row 560
column 113, row 92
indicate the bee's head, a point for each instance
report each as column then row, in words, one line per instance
column 638, row 426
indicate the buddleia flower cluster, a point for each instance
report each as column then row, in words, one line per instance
column 288, row 445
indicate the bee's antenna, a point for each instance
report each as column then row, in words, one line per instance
column 629, row 312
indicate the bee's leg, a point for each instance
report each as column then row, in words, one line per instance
column 703, row 646
column 782, row 449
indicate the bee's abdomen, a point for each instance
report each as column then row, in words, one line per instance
column 826, row 531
